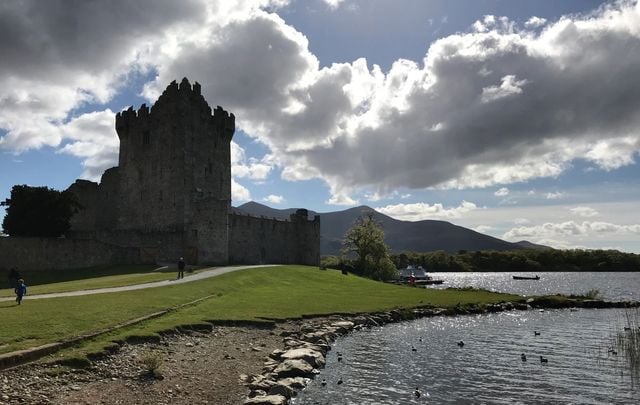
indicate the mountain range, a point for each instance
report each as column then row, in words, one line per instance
column 418, row 236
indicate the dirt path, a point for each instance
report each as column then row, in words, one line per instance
column 213, row 272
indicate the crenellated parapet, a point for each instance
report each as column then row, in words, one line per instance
column 224, row 122
column 175, row 98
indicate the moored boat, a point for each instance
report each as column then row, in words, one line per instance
column 536, row 277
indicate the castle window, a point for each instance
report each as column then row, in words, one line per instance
column 160, row 195
column 146, row 138
column 194, row 232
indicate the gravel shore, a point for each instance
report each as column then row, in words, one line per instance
column 196, row 368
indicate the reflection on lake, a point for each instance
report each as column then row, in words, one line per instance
column 614, row 286
column 380, row 367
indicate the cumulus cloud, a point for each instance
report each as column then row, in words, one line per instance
column 252, row 168
column 585, row 212
column 274, row 199
column 333, row 4
column 483, row 228
column 570, row 229
column 535, row 22
column 422, row 211
column 239, row 193
column 502, row 192
column 92, row 139
column 554, row 196
column 56, row 57
column 493, row 106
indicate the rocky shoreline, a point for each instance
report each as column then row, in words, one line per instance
column 289, row 370
column 217, row 363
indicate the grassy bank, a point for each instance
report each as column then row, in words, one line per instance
column 273, row 292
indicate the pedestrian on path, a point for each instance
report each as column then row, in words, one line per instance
column 181, row 268
column 20, row 290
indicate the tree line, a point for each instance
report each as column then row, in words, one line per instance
column 530, row 260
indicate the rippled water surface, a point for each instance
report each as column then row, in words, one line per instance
column 613, row 286
column 380, row 367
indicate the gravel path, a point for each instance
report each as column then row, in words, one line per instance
column 213, row 272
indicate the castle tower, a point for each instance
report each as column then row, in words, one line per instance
column 175, row 171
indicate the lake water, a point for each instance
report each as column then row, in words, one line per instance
column 615, row 286
column 380, row 367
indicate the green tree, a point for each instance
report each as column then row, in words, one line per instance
column 365, row 239
column 38, row 211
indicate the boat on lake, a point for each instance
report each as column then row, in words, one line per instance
column 416, row 275
column 536, row 277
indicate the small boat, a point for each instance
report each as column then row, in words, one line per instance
column 416, row 275
column 526, row 278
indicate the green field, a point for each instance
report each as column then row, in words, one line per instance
column 254, row 294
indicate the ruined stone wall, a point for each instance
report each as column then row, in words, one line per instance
column 41, row 254
column 263, row 240
column 86, row 193
column 307, row 238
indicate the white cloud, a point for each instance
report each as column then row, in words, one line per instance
column 333, row 4
column 93, row 139
column 422, row 211
column 341, row 199
column 521, row 221
column 483, row 228
column 585, row 212
column 554, row 196
column 274, row 199
column 535, row 22
column 239, row 193
column 570, row 229
column 494, row 106
column 503, row 192
column 509, row 87
column 252, row 168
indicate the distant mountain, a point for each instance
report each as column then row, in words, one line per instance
column 525, row 244
column 419, row 236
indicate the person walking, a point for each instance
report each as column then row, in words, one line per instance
column 181, row 266
column 20, row 290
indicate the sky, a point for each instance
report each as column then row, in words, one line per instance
column 516, row 118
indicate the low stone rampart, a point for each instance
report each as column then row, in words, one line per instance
column 41, row 254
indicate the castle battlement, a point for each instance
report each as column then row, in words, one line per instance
column 176, row 97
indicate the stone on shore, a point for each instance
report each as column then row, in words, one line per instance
column 294, row 368
column 267, row 400
column 313, row 357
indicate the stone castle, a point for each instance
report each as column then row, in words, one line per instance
column 170, row 195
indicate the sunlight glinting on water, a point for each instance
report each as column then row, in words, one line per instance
column 380, row 365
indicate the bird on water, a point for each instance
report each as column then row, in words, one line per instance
column 523, row 357
column 460, row 343
column 543, row 360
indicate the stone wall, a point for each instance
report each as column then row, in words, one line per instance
column 41, row 254
column 262, row 240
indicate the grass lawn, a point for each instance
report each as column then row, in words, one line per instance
column 273, row 292
column 92, row 278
